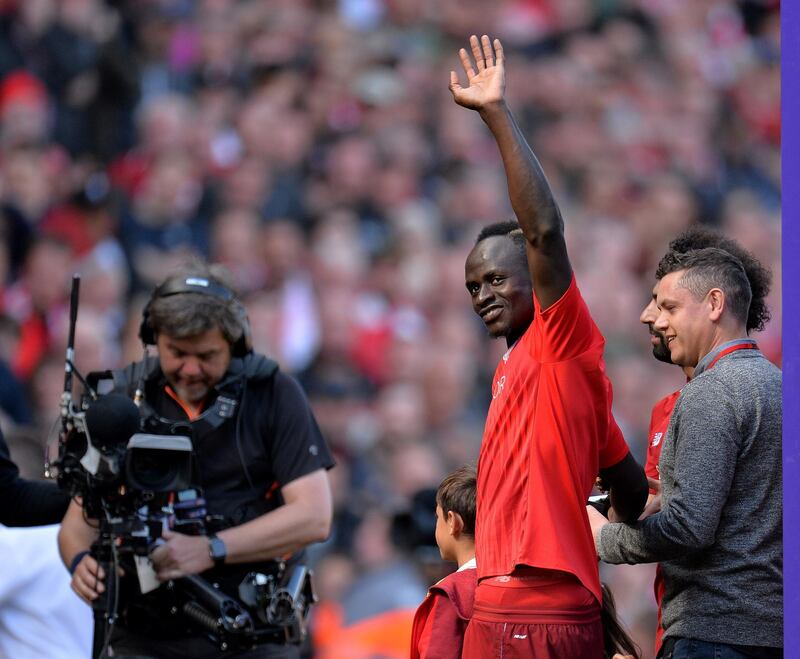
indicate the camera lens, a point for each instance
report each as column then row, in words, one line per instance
column 158, row 463
column 153, row 469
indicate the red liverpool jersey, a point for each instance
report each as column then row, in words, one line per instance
column 659, row 422
column 548, row 431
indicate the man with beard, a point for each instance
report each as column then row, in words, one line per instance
column 697, row 237
column 259, row 460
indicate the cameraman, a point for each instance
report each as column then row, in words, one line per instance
column 260, row 461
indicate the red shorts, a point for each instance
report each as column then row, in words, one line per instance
column 534, row 613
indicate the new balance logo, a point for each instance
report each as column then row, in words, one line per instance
column 656, row 438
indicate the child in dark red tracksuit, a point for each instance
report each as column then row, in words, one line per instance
column 441, row 620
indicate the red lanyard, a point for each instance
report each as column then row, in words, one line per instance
column 749, row 345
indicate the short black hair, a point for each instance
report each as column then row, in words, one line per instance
column 760, row 278
column 458, row 492
column 508, row 228
column 709, row 268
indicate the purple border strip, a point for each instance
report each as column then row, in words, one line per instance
column 790, row 47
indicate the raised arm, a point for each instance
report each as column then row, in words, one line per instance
column 528, row 189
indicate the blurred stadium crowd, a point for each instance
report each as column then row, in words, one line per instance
column 313, row 147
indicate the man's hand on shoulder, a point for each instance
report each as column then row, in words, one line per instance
column 181, row 555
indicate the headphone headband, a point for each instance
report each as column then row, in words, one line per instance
column 201, row 286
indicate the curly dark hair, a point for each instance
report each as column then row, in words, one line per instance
column 760, row 278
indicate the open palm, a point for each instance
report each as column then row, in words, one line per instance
column 487, row 85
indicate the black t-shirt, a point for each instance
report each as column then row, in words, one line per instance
column 271, row 440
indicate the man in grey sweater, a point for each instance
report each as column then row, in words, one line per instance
column 718, row 536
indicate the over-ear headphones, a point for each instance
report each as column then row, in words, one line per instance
column 204, row 286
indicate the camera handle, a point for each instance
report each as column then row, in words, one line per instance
column 221, row 616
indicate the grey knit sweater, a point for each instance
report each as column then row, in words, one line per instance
column 718, row 536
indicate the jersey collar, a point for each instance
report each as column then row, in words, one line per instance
column 471, row 563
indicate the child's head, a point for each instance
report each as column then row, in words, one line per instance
column 455, row 511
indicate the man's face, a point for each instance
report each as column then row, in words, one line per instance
column 648, row 317
column 195, row 364
column 684, row 321
column 497, row 279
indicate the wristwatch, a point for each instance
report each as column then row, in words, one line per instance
column 216, row 549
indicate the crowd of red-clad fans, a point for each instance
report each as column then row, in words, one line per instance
column 313, row 147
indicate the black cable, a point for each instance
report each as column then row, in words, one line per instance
column 82, row 379
column 112, row 605
column 239, row 439
column 112, row 617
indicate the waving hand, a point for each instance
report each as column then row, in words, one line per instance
column 486, row 86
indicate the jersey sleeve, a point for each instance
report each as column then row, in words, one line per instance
column 564, row 330
column 297, row 445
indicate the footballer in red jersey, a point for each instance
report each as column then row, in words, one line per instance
column 549, row 430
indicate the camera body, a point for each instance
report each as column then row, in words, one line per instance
column 114, row 468
column 139, row 486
